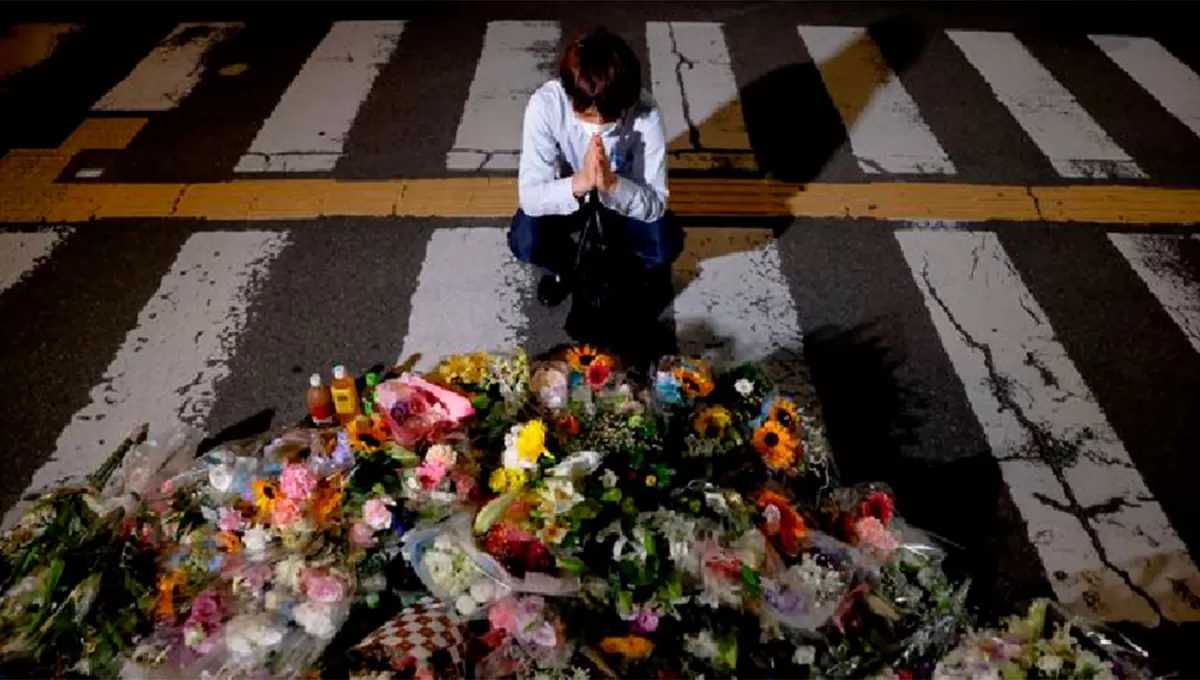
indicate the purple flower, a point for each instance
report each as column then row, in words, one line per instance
column 646, row 621
column 784, row 601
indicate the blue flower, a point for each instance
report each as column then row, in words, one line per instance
column 668, row 389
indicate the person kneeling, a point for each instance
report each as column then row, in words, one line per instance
column 594, row 134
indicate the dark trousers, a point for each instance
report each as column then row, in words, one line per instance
column 636, row 276
column 547, row 241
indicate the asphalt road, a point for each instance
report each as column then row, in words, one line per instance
column 1029, row 388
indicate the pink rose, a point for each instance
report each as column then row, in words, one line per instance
column 376, row 513
column 362, row 535
column 430, row 473
column 298, row 482
column 322, row 587
column 287, row 511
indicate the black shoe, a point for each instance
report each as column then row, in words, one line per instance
column 552, row 290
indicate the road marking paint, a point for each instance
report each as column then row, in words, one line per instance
column 170, row 71
column 27, row 45
column 21, row 253
column 1107, row 546
column 1159, row 72
column 518, row 57
column 693, row 83
column 1073, row 142
column 736, row 305
column 887, row 132
column 457, row 308
column 89, row 173
column 166, row 371
column 1158, row 261
column 307, row 130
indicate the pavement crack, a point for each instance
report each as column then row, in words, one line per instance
column 487, row 158
column 1056, row 454
column 680, row 62
column 1037, row 203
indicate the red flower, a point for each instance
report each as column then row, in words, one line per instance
column 598, row 372
column 880, row 506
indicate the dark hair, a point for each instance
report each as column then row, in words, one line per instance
column 599, row 69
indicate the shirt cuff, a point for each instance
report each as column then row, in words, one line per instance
column 621, row 197
column 561, row 198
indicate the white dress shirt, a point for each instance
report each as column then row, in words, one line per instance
column 553, row 135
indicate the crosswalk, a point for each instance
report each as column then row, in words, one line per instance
column 693, row 74
column 1105, row 541
column 219, row 322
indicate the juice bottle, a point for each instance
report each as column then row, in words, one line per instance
column 320, row 401
column 345, row 395
column 368, row 395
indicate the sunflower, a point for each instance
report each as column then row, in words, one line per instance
column 581, row 357
column 367, row 435
column 785, row 412
column 325, row 503
column 695, row 382
column 630, row 646
column 266, row 493
column 776, row 444
column 711, row 422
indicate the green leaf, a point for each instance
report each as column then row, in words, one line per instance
column 882, row 608
column 751, row 579
column 372, row 600
column 573, row 565
column 586, row 510
column 492, row 511
column 612, row 495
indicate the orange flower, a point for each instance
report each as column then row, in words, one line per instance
column 326, row 502
column 791, row 527
column 167, row 584
column 776, row 444
column 785, row 412
column 229, row 542
column 631, row 646
column 695, row 383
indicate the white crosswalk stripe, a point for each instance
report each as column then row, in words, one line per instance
column 886, row 130
column 21, row 253
column 471, row 307
column 518, row 57
column 1158, row 261
column 1105, row 542
column 307, row 130
column 170, row 71
column 1167, row 79
column 1073, row 142
column 166, row 371
column 692, row 81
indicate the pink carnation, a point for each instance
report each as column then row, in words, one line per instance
column 322, row 587
column 287, row 511
column 231, row 520
column 430, row 473
column 362, row 535
column 298, row 482
column 376, row 513
column 503, row 615
column 646, row 621
column 871, row 531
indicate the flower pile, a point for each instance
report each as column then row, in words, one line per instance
column 579, row 522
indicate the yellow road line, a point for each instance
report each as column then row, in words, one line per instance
column 31, row 195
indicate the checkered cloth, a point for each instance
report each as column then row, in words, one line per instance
column 412, row 637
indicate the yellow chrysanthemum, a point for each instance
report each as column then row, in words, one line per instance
column 504, row 480
column 531, row 442
column 469, row 369
column 712, row 421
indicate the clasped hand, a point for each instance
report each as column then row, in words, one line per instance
column 596, row 172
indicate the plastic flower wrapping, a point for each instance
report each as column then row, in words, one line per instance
column 574, row 521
